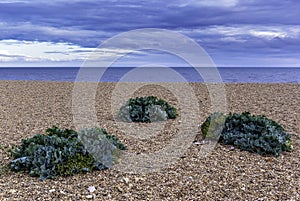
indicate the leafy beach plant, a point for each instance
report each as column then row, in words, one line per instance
column 103, row 146
column 59, row 152
column 147, row 109
column 253, row 133
column 8, row 150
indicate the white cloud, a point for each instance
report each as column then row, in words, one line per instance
column 3, row 51
column 39, row 1
column 47, row 52
column 232, row 39
column 243, row 32
column 268, row 34
column 49, row 31
column 221, row 3
column 209, row 3
column 35, row 51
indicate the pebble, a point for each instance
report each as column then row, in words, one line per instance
column 120, row 189
column 51, row 190
column 126, row 180
column 208, row 173
column 12, row 191
column 136, row 179
column 91, row 189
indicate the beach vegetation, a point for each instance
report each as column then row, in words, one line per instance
column 64, row 152
column 147, row 109
column 253, row 133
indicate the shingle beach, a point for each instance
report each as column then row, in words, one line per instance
column 29, row 107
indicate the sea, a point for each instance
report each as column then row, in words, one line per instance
column 159, row 74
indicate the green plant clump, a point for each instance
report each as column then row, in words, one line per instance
column 58, row 152
column 103, row 146
column 147, row 109
column 253, row 133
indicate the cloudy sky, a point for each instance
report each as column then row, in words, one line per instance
column 233, row 32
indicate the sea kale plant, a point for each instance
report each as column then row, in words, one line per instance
column 253, row 133
column 147, row 109
column 64, row 152
column 103, row 146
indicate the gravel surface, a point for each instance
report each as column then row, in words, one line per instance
column 29, row 107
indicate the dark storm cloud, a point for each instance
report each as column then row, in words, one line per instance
column 221, row 26
column 99, row 20
column 118, row 16
column 252, row 12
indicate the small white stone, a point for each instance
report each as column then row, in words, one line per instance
column 89, row 196
column 91, row 189
column 12, row 191
column 51, row 190
column 126, row 180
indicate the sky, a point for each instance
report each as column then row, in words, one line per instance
column 235, row 33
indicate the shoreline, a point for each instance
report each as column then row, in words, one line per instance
column 50, row 81
column 228, row 75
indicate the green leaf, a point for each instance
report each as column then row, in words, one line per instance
column 60, row 152
column 147, row 109
column 253, row 133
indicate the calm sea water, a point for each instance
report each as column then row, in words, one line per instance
column 235, row 75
